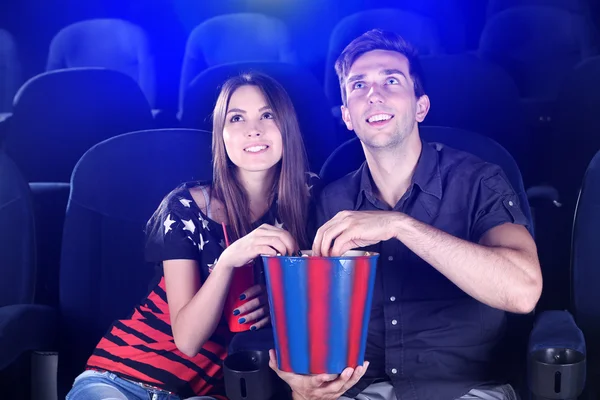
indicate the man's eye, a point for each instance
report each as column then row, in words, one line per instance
column 392, row 81
column 358, row 85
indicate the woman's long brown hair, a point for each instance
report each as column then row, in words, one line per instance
column 289, row 186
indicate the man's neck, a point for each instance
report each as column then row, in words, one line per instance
column 392, row 169
column 258, row 186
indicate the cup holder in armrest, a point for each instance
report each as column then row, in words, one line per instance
column 556, row 373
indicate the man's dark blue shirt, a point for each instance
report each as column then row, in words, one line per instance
column 428, row 337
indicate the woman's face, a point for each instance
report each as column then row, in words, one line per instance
column 252, row 139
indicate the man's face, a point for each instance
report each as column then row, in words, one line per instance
column 381, row 105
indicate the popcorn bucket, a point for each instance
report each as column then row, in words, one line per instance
column 320, row 309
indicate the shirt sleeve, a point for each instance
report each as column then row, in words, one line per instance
column 496, row 203
column 170, row 233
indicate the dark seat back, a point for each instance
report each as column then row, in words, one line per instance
column 349, row 157
column 116, row 186
column 10, row 70
column 469, row 93
column 417, row 29
column 586, row 259
column 574, row 6
column 59, row 115
column 538, row 46
column 17, row 237
column 236, row 37
column 109, row 43
column 314, row 115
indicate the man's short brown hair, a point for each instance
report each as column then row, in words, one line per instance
column 377, row 39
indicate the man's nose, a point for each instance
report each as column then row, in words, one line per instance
column 374, row 95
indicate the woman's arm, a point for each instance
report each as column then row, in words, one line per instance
column 195, row 308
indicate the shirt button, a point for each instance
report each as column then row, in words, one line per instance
column 394, row 322
column 390, row 258
column 394, row 371
column 393, row 298
column 510, row 203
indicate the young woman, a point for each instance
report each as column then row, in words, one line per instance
column 173, row 344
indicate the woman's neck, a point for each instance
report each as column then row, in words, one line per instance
column 258, row 187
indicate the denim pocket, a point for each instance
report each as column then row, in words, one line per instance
column 90, row 373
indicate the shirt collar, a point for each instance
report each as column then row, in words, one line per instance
column 427, row 176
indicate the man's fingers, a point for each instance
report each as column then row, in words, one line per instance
column 273, row 364
column 320, row 379
column 316, row 247
column 331, row 235
column 343, row 243
column 335, row 386
column 318, row 242
column 359, row 372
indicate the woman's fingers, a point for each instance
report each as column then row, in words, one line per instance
column 252, row 292
column 262, row 323
column 254, row 316
column 284, row 236
column 251, row 305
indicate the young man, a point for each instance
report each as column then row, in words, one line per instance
column 455, row 254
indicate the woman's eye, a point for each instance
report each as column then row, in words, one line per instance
column 268, row 115
column 236, row 118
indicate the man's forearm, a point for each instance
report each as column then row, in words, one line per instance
column 497, row 276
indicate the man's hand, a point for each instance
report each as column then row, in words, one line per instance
column 353, row 229
column 319, row 387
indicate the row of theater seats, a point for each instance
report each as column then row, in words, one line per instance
column 536, row 41
column 58, row 107
column 115, row 188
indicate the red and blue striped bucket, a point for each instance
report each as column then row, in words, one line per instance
column 320, row 309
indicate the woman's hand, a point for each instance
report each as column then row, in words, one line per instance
column 255, row 311
column 265, row 239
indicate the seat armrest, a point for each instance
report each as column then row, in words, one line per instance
column 25, row 327
column 556, row 359
column 544, row 192
column 556, row 329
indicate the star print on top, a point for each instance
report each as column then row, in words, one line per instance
column 202, row 242
column 167, row 224
column 185, row 202
column 204, row 222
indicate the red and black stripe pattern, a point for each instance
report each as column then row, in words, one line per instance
column 142, row 349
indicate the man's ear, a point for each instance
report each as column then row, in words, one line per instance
column 423, row 105
column 346, row 118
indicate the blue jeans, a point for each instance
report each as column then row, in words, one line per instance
column 94, row 385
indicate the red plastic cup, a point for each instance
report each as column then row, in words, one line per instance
column 243, row 279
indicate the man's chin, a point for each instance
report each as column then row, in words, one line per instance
column 379, row 141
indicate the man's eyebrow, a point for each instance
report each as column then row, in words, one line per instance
column 355, row 78
column 393, row 71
